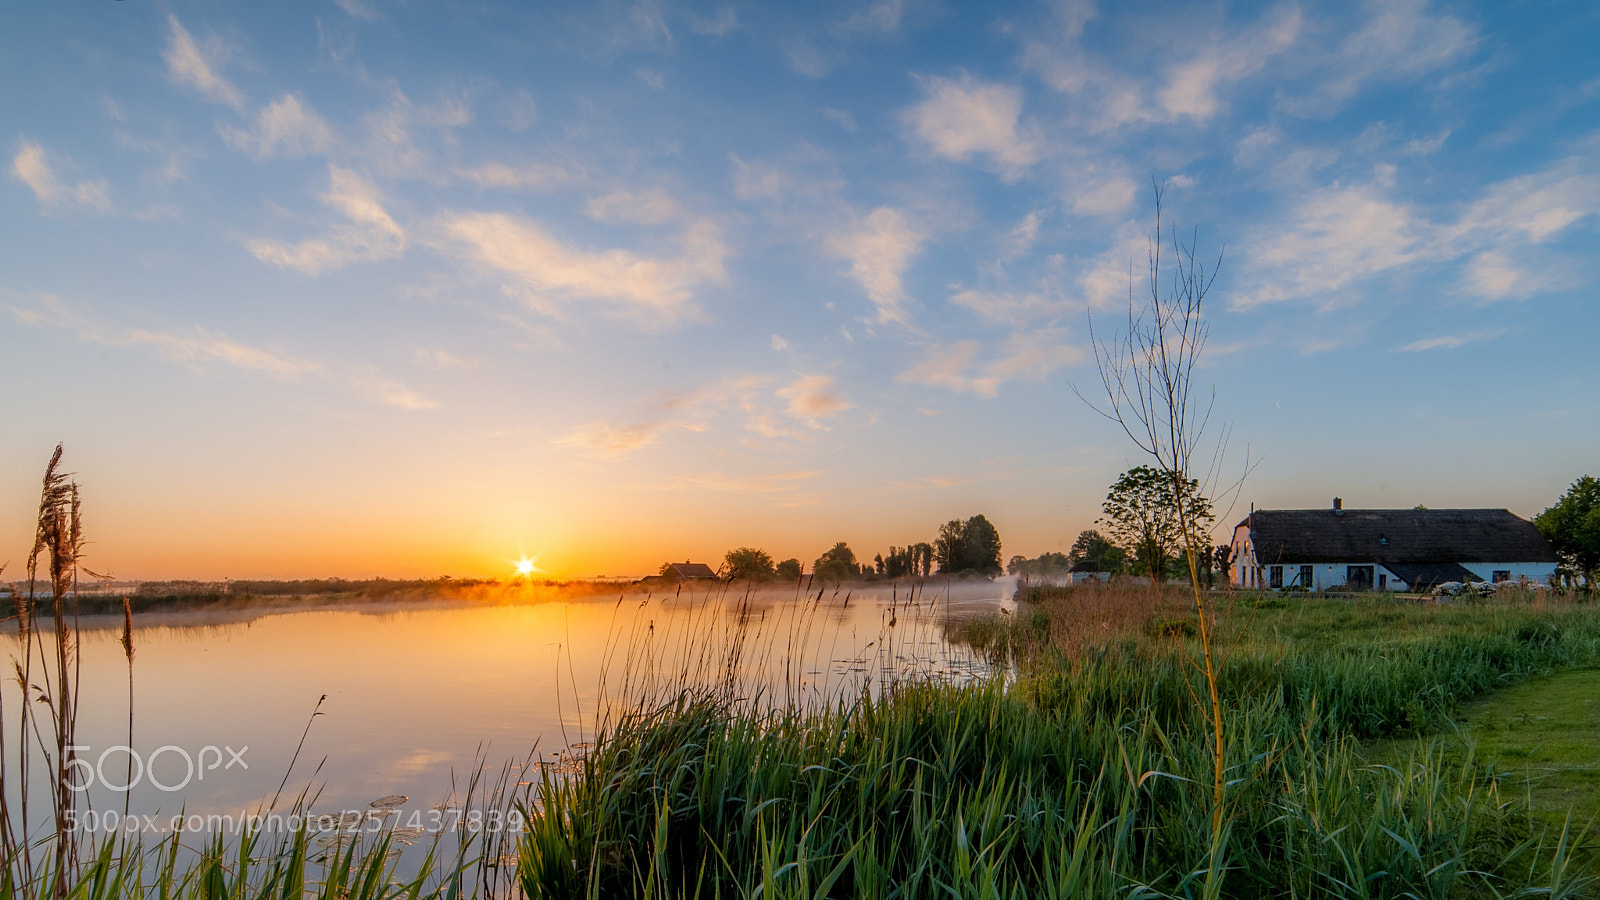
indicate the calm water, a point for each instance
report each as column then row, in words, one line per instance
column 421, row 696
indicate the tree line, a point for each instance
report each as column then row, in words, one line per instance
column 962, row 547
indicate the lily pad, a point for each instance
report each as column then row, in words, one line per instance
column 389, row 802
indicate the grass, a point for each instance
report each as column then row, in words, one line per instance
column 1539, row 739
column 1087, row 772
column 1082, row 768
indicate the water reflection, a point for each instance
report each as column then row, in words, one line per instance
column 419, row 696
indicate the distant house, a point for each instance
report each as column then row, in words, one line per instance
column 688, row 571
column 1386, row 549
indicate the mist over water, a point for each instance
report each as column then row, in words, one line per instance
column 421, row 695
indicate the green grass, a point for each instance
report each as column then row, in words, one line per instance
column 1540, row 739
column 1087, row 775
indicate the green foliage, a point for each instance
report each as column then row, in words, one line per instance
column 1142, row 513
column 913, row 560
column 1095, row 550
column 749, row 564
column 970, row 546
column 836, row 564
column 1572, row 526
column 789, row 568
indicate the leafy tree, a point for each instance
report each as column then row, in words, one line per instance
column 1572, row 526
column 913, row 560
column 790, row 569
column 970, row 546
column 837, row 564
column 1222, row 561
column 749, row 563
column 1096, row 553
column 1142, row 515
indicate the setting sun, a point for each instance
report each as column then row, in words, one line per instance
column 525, row 567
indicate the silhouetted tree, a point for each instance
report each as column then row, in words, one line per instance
column 789, row 568
column 837, row 564
column 1095, row 552
column 748, row 563
column 970, row 546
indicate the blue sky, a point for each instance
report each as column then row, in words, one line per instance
column 366, row 287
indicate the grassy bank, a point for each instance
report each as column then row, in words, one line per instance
column 1087, row 774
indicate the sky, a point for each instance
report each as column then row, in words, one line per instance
column 363, row 287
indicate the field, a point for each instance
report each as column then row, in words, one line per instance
column 1082, row 768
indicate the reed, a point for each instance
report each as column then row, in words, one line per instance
column 1088, row 771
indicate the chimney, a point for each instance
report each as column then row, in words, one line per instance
column 1338, row 503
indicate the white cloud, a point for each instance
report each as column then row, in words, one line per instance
column 880, row 15
column 1447, row 342
column 1026, row 355
column 1401, row 41
column 1345, row 233
column 844, row 119
column 1020, row 240
column 1492, row 275
column 720, row 25
column 356, row 9
column 1106, row 197
column 200, row 348
column 285, row 127
column 187, row 65
column 648, row 207
column 31, row 166
column 1338, row 235
column 880, row 249
column 1009, row 308
column 652, row 79
column 1426, row 146
column 370, row 235
column 531, row 175
column 1192, row 85
column 779, row 344
column 518, row 112
column 959, row 119
column 812, row 397
column 549, row 272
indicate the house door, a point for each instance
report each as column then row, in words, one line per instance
column 1358, row 578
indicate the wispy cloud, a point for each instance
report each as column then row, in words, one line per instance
column 369, row 235
column 880, row 249
column 188, row 65
column 200, row 348
column 548, row 273
column 534, row 175
column 32, row 167
column 1448, row 342
column 652, row 206
column 963, row 118
column 813, row 397
column 1400, row 40
column 958, row 367
column 287, row 127
column 605, row 441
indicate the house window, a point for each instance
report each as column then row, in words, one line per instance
column 1275, row 578
column 1307, row 575
column 1502, row 575
column 1358, row 578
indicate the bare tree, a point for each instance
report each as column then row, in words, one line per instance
column 1148, row 374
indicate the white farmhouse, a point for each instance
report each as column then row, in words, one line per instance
column 1386, row 549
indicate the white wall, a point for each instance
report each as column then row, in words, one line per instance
column 1540, row 572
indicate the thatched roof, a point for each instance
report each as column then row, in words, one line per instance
column 1395, row 536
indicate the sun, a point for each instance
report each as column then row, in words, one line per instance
column 525, row 567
